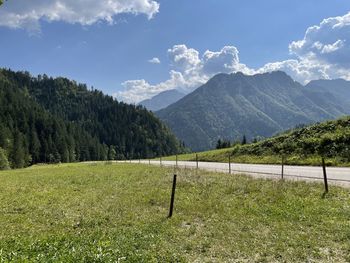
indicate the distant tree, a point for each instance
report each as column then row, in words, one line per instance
column 112, row 153
column 18, row 151
column 34, row 145
column 219, row 144
column 244, row 140
column 223, row 144
column 4, row 163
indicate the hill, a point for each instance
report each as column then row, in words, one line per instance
column 229, row 106
column 162, row 100
column 44, row 119
column 302, row 146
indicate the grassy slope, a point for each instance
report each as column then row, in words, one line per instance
column 303, row 146
column 106, row 213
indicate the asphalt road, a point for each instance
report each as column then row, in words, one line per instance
column 335, row 175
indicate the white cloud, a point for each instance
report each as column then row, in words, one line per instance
column 333, row 47
column 138, row 90
column 191, row 70
column 184, row 58
column 224, row 61
column 323, row 53
column 27, row 14
column 328, row 42
column 154, row 61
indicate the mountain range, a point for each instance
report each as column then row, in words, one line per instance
column 229, row 106
column 162, row 100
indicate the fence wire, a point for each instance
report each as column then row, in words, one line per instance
column 234, row 170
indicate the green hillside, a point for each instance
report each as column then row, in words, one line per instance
column 117, row 213
column 305, row 146
column 45, row 119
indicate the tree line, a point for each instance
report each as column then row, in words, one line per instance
column 49, row 120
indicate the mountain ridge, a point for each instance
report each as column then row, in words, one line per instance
column 232, row 105
column 162, row 100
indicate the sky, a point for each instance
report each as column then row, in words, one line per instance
column 134, row 49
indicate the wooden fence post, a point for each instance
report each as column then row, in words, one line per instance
column 325, row 175
column 149, row 161
column 282, row 172
column 176, row 160
column 229, row 164
column 197, row 160
column 160, row 161
column 172, row 197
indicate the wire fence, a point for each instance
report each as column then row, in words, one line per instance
column 277, row 171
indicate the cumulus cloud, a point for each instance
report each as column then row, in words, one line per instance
column 328, row 42
column 224, row 61
column 138, row 90
column 184, row 58
column 28, row 14
column 190, row 70
column 154, row 61
column 323, row 53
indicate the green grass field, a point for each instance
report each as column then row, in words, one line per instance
column 117, row 213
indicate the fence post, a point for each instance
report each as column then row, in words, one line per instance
column 160, row 161
column 149, row 161
column 325, row 175
column 282, row 172
column 172, row 197
column 176, row 160
column 197, row 160
column 229, row 164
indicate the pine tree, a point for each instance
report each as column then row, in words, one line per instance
column 34, row 146
column 244, row 140
column 219, row 144
column 18, row 151
column 112, row 153
column 4, row 163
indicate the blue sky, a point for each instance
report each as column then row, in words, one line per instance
column 111, row 48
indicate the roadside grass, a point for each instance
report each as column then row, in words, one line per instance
column 117, row 213
column 222, row 155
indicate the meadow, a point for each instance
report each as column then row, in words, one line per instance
column 103, row 212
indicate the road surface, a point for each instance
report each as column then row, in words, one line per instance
column 335, row 175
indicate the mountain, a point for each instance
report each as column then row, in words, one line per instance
column 232, row 105
column 162, row 100
column 44, row 119
column 339, row 88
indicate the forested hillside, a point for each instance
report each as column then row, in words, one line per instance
column 57, row 120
